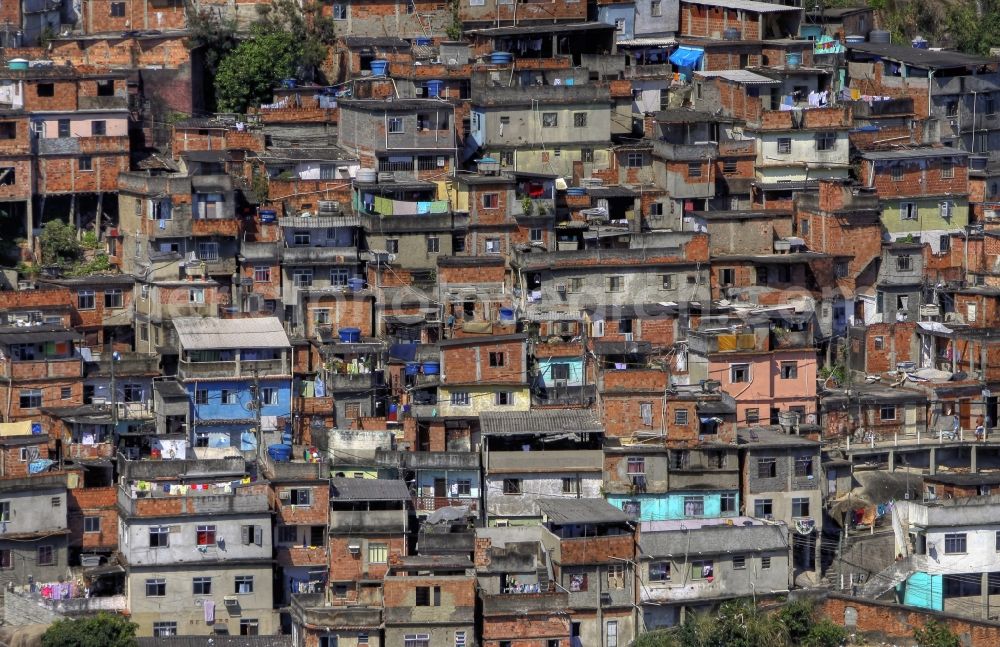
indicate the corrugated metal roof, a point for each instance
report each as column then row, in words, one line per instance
column 745, row 5
column 914, row 153
column 654, row 41
column 739, row 76
column 662, row 539
column 541, row 421
column 197, row 333
column 564, row 511
column 36, row 334
column 350, row 489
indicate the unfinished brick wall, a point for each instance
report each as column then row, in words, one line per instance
column 894, row 624
column 471, row 363
column 93, row 502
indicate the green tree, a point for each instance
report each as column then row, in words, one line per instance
column 213, row 37
column 248, row 75
column 798, row 618
column 935, row 634
column 59, row 244
column 826, row 633
column 102, row 630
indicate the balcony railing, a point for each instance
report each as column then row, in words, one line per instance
column 233, row 368
column 432, row 503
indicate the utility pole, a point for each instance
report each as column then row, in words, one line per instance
column 115, row 357
column 255, row 404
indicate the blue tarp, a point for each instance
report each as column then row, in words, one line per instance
column 40, row 465
column 687, row 56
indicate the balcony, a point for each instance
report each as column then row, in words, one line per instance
column 363, row 521
column 792, row 339
column 156, row 503
column 102, row 103
column 312, row 609
column 514, row 604
column 706, row 343
column 42, row 369
column 177, row 227
column 228, row 227
column 430, row 222
column 737, row 147
column 432, row 503
column 583, row 551
column 236, row 369
column 319, row 255
column 685, row 152
column 301, row 556
column 72, row 606
column 580, row 460
column 606, row 598
column 321, row 222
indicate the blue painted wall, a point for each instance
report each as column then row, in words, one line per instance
column 668, row 506
column 575, row 370
column 925, row 591
column 215, row 409
column 609, row 14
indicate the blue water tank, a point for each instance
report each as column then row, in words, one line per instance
column 432, row 368
column 280, row 453
column 506, row 314
column 501, row 58
column 576, row 191
column 920, row 43
column 379, row 67
column 355, row 284
column 424, row 40
column 793, row 59
column 288, row 83
column 350, row 335
column 434, row 88
column 411, row 368
column 268, row 215
column 855, row 40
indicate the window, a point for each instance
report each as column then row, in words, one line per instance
column 201, row 396
column 91, row 524
column 156, row 588
column 491, row 201
column 85, row 300
column 164, row 628
column 300, row 496
column 655, row 9
column 262, row 274
column 619, row 24
column 763, row 508
column 580, row 119
column 321, row 316
column 765, row 562
column 635, row 159
column 427, row 596
column 636, row 465
column 694, row 506
column 739, row 562
column 459, row 398
column 392, row 245
column 498, row 359
column 656, row 209
column 339, row 11
column 803, row 466
column 159, row 536
column 727, row 503
column 288, row 534
column 228, row 396
column 727, row 276
column 301, row 238
column 789, row 370
column 659, row 572
column 201, row 586
column 702, row 569
column 249, row 627
column 570, row 485
column 989, row 105
column 114, row 298
column 464, row 487
column 997, row 541
column 243, row 584
column 887, row 412
column 616, row 576
column 575, row 284
column 63, row 126
column 615, row 283
column 826, row 141
column 587, row 155
column 945, row 208
column 433, row 244
column 6, row 561
column 117, row 9
column 907, row 211
column 612, row 633
column 646, row 413
column 56, row 502
column 550, row 119
column 395, row 125
column 800, row 507
column 784, row 145
column 98, row 128
column 423, row 640
column 954, row 542
column 535, row 235
column 378, row 553
column 681, row 417
column 504, row 398
column 196, row 295
column 767, row 468
column 694, row 169
column 85, row 163
column 739, row 373
column 46, row 89
column 666, row 281
column 904, row 263
column 729, row 167
column 879, row 342
column 512, row 486
column 30, row 398
column 206, row 535
column 492, row 245
column 302, row 278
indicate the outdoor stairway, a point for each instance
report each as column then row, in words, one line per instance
column 882, row 581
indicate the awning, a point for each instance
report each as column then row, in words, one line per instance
column 687, row 56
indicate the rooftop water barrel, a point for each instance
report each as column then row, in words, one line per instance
column 17, row 64
column 793, row 59
column 355, row 284
column 379, row 67
column 880, row 36
column 411, row 368
column 288, row 83
column 576, row 191
column 367, row 175
column 506, row 315
column 920, row 43
column 855, row 40
column 349, row 335
column 434, row 88
column 280, row 453
column 432, row 368
column 501, row 58
column 268, row 215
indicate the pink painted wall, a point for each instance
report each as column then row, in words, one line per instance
column 766, row 388
column 116, row 125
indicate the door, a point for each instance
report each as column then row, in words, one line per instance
column 831, row 482
column 440, row 493
column 910, row 420
column 965, row 414
column 991, row 411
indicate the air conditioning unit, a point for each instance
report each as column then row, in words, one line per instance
column 25, row 285
column 561, row 288
column 231, row 601
column 386, row 176
column 354, row 548
column 559, row 384
column 418, row 91
column 628, row 336
column 329, row 206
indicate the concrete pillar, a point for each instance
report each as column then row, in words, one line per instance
column 892, row 461
column 984, row 594
column 932, row 462
column 973, row 459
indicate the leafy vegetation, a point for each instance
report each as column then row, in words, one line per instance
column 102, row 630
column 287, row 41
column 214, row 38
column 935, row 634
column 61, row 248
column 968, row 25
